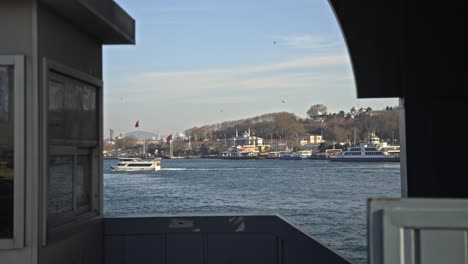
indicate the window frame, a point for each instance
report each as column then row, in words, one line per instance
column 17, row 62
column 48, row 233
column 77, row 211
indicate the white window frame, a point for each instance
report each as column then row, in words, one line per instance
column 17, row 241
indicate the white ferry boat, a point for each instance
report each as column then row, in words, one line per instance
column 136, row 164
column 372, row 151
column 241, row 152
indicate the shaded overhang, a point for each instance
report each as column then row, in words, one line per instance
column 103, row 19
column 372, row 31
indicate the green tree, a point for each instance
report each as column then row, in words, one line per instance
column 317, row 110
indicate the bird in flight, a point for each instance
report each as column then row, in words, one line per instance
column 284, row 101
column 274, row 42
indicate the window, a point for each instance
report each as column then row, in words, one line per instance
column 69, row 184
column 6, row 152
column 73, row 129
column 11, row 151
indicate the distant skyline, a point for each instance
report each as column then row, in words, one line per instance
column 204, row 62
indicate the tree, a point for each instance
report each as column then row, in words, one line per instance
column 317, row 110
column 126, row 142
column 108, row 146
column 205, row 149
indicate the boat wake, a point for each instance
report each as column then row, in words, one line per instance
column 209, row 169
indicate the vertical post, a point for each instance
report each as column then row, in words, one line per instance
column 170, row 149
column 271, row 141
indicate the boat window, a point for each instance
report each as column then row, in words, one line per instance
column 139, row 165
column 6, row 152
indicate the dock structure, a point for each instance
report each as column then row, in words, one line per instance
column 51, row 170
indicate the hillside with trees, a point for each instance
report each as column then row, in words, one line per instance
column 340, row 127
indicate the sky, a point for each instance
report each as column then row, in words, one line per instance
column 203, row 62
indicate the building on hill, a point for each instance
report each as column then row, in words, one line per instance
column 245, row 140
column 315, row 139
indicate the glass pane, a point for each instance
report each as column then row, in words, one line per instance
column 4, row 94
column 73, row 109
column 6, row 152
column 60, row 185
column 83, row 181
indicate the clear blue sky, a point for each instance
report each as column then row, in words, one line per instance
column 202, row 62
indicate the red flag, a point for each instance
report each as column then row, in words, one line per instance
column 169, row 138
column 137, row 124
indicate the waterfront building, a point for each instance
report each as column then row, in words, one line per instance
column 212, row 144
column 245, row 140
column 285, row 143
column 315, row 139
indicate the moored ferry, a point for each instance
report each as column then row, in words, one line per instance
column 366, row 154
column 299, row 155
column 372, row 151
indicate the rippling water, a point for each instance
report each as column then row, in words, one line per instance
column 325, row 199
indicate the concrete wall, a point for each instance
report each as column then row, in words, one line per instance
column 18, row 36
column 211, row 240
column 82, row 245
column 62, row 42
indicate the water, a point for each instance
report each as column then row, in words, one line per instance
column 325, row 199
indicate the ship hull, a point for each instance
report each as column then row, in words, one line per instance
column 365, row 159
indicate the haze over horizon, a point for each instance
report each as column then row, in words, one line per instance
column 208, row 62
